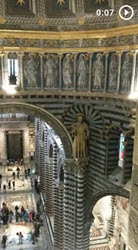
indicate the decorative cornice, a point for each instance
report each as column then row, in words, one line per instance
column 70, row 35
column 70, row 50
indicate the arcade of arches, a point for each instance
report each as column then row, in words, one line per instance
column 68, row 125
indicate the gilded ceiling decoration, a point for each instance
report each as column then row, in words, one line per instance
column 60, row 1
column 21, row 2
column 99, row 1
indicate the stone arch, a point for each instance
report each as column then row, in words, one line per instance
column 92, row 116
column 32, row 110
column 95, row 198
column 105, row 192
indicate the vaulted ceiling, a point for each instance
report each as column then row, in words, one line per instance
column 62, row 14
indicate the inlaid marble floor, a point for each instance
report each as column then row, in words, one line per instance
column 28, row 201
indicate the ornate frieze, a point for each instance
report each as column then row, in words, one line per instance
column 44, row 43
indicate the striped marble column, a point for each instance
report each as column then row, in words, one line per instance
column 74, row 204
column 42, row 179
column 58, row 217
column 37, row 145
column 69, row 205
column 49, row 187
column 112, row 218
column 81, row 166
column 45, row 136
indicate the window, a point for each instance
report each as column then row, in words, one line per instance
column 12, row 68
column 121, row 150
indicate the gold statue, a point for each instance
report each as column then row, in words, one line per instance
column 81, row 134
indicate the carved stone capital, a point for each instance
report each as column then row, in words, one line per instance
column 69, row 165
column 119, row 53
column 81, row 165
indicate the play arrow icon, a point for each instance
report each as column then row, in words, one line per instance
column 126, row 12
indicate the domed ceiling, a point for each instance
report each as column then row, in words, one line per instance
column 61, row 15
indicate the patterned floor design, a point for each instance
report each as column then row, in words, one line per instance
column 95, row 232
column 100, row 248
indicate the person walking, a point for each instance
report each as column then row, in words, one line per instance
column 4, row 240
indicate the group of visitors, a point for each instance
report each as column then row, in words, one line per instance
column 12, row 162
column 20, row 214
column 11, row 183
column 4, row 214
column 24, row 215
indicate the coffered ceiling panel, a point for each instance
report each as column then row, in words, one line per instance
column 20, row 7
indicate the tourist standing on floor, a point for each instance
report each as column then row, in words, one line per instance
column 16, row 208
column 13, row 174
column 33, row 215
column 4, row 240
column 10, row 216
column 25, row 173
column 26, row 216
column 28, row 170
column 4, row 188
column 20, row 237
column 13, row 184
column 18, row 172
column 33, row 237
column 22, row 210
column 17, row 216
column 30, row 216
column 9, row 184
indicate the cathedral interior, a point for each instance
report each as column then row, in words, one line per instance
column 68, row 124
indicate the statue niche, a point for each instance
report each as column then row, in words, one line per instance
column 81, row 134
column 113, row 70
column 68, row 71
column 126, row 73
column 50, row 71
column 82, row 71
column 98, row 72
column 31, row 70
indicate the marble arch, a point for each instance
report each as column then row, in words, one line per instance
column 32, row 110
column 96, row 197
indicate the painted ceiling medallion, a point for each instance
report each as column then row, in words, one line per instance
column 60, row 1
column 21, row 2
column 99, row 1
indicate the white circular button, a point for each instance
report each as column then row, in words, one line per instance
column 126, row 12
